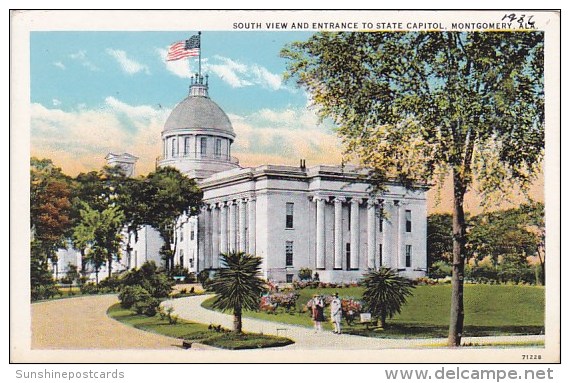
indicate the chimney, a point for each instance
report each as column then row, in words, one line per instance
column 302, row 164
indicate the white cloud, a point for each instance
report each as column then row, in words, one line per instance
column 234, row 73
column 55, row 102
column 266, row 78
column 283, row 137
column 127, row 64
column 239, row 75
column 180, row 68
column 59, row 64
column 81, row 57
column 79, row 140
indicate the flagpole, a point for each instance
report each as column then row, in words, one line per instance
column 199, row 54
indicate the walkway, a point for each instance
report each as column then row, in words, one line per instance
column 190, row 308
column 82, row 323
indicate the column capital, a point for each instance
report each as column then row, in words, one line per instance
column 356, row 200
column 339, row 199
column 212, row 205
column 372, row 202
column 317, row 197
column 230, row 203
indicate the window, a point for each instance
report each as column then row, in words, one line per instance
column 349, row 217
column 381, row 223
column 348, row 256
column 289, row 278
column 408, row 255
column 408, row 221
column 191, row 233
column 173, row 147
column 289, row 253
column 181, row 236
column 289, row 215
column 380, row 253
column 181, row 258
column 191, row 263
column 203, row 145
column 186, row 145
column 218, row 148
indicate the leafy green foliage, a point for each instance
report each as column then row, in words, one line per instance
column 416, row 106
column 98, row 234
column 168, row 194
column 439, row 238
column 149, row 278
column 237, row 285
column 50, row 208
column 385, row 291
column 411, row 105
column 305, row 274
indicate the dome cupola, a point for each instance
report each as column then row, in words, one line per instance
column 198, row 135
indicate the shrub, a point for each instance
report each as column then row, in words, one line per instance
column 155, row 282
column 110, row 284
column 179, row 271
column 89, row 288
column 305, row 274
column 44, row 292
column 272, row 302
column 204, row 278
column 130, row 295
column 148, row 306
column 439, row 270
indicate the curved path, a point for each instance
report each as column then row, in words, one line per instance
column 305, row 338
column 82, row 323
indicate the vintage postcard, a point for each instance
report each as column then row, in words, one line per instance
column 285, row 186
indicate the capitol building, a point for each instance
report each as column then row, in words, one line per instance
column 326, row 218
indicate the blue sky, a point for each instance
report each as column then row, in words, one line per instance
column 99, row 92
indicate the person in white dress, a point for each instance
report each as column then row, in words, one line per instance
column 336, row 313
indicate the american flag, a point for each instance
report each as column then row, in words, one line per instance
column 182, row 49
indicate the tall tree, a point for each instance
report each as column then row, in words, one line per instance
column 238, row 285
column 98, row 234
column 417, row 106
column 439, row 238
column 50, row 209
column 50, row 205
column 166, row 195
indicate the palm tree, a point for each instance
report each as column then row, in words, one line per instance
column 385, row 292
column 237, row 285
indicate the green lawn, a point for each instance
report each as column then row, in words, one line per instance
column 195, row 331
column 489, row 310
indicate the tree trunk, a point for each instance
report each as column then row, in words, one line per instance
column 109, row 267
column 458, row 265
column 383, row 318
column 237, row 320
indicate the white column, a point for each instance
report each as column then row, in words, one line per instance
column 354, row 232
column 338, row 232
column 207, row 238
column 371, row 231
column 215, row 236
column 251, row 225
column 232, row 226
column 320, row 243
column 223, row 229
column 242, row 218
column 401, row 235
